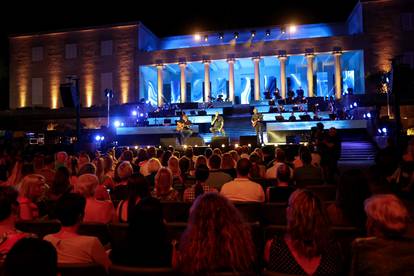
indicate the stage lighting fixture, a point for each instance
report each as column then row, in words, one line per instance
column 368, row 115
column 117, row 124
column 236, row 35
column 223, row 145
column 221, row 36
column 355, row 104
column 379, row 131
column 292, row 29
column 197, row 37
column 364, row 116
column 98, row 138
column 205, row 38
column 134, row 113
column 384, row 130
column 102, row 138
column 267, row 32
column 351, row 106
column 249, row 145
column 283, row 30
column 253, row 33
column 136, row 147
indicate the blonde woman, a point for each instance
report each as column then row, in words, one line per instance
column 32, row 188
column 163, row 189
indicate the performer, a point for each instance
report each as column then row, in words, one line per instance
column 217, row 125
column 257, row 123
column 184, row 129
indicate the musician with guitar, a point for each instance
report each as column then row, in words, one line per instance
column 257, row 123
column 184, row 128
column 217, row 124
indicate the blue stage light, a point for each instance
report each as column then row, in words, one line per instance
column 384, row 130
column 98, row 138
column 141, row 115
column 134, row 113
column 379, row 131
column 351, row 106
column 117, row 124
column 364, row 115
column 102, row 138
column 369, row 115
column 355, row 104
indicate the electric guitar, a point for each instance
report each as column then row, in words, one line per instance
column 180, row 126
column 255, row 122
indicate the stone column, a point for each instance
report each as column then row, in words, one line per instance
column 256, row 61
column 309, row 73
column 183, row 84
column 160, row 95
column 338, row 74
column 206, row 80
column 282, row 60
column 231, row 79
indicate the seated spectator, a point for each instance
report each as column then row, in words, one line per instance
column 306, row 248
column 201, row 175
column 348, row 208
column 307, row 174
column 31, row 190
column 124, row 171
column 74, row 170
column 71, row 247
column 216, row 178
column 97, row 211
column 163, row 189
column 216, row 239
column 138, row 188
column 165, row 157
column 228, row 165
column 83, row 159
column 141, row 161
column 199, row 160
column 386, row 251
column 61, row 159
column 234, row 155
column 48, row 170
column 61, row 184
column 173, row 165
column 280, row 159
column 283, row 188
column 185, row 164
column 241, row 188
column 316, row 158
column 147, row 238
column 258, row 170
column 208, row 153
column 88, row 168
column 31, row 256
column 153, row 166
column 9, row 212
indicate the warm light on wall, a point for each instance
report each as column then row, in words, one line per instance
column 22, row 77
column 88, row 89
column 124, row 79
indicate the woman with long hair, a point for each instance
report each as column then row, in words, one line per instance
column 216, row 239
column 138, row 188
column 32, row 188
column 228, row 165
column 163, row 189
column 307, row 248
column 61, row 184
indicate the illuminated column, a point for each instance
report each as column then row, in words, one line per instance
column 256, row 61
column 231, row 79
column 183, row 84
column 309, row 73
column 282, row 60
column 160, row 84
column 206, row 80
column 338, row 74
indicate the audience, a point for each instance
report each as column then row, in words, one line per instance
column 280, row 159
column 306, row 248
column 216, row 239
column 386, row 250
column 241, row 188
column 71, row 247
column 200, row 187
column 216, row 178
column 307, row 174
column 32, row 188
column 228, row 165
column 283, row 188
column 163, row 189
column 61, row 184
column 153, row 166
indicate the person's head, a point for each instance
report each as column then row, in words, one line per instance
column 235, row 155
column 280, row 155
column 201, row 160
column 127, row 156
column 142, row 155
column 138, row 187
column 185, row 117
column 70, row 209
column 74, row 167
column 86, row 185
column 184, row 164
column 49, row 162
column 307, row 223
column 8, row 203
column 88, row 168
column 243, row 167
column 386, row 216
column 351, row 193
column 255, row 110
column 61, row 157
column 283, row 173
column 108, row 163
column 83, row 159
column 163, row 181
column 151, row 152
column 173, row 165
column 320, row 126
column 214, row 162
column 208, row 153
column 332, row 131
column 202, row 173
column 124, row 170
column 217, row 114
column 217, row 151
column 31, row 256
column 61, row 182
column 255, row 158
column 216, row 237
column 227, row 161
column 154, row 165
column 165, row 157
column 32, row 186
column 189, row 153
column 306, row 156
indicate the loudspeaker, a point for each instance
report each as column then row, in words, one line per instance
column 246, row 140
column 193, row 141
column 166, row 142
column 68, row 94
column 217, row 141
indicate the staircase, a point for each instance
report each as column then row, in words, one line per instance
column 357, row 150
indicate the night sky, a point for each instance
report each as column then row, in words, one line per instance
column 164, row 19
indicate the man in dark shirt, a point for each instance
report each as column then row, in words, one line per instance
column 184, row 128
column 217, row 124
column 257, row 123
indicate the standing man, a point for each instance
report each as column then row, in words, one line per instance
column 257, row 123
column 217, row 124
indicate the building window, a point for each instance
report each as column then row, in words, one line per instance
column 106, row 48
column 408, row 58
column 71, row 51
column 37, row 53
column 407, row 21
column 37, row 91
column 106, row 83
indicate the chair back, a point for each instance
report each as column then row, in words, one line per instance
column 120, row 270
column 99, row 230
column 274, row 213
column 251, row 211
column 176, row 211
column 40, row 228
column 81, row 270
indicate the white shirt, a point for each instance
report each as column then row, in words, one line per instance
column 242, row 189
column 271, row 172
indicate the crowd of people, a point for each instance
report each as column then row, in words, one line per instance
column 130, row 187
